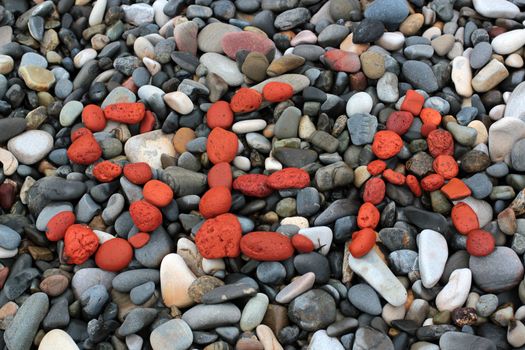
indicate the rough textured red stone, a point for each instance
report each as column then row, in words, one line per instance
column 368, row 216
column 480, row 243
column 394, row 177
column 58, row 224
column 157, row 193
column 413, row 102
column 374, row 190
column 266, row 246
column 221, row 146
column 114, row 255
column 145, row 216
column 446, row 166
column 432, row 182
column 362, row 242
column 276, row 91
column 215, row 201
column 219, row 237
column 139, row 240
column 80, row 132
column 413, row 185
column 288, row 178
column 125, row 112
column 220, row 175
column 138, row 173
column 440, row 142
column 80, row 242
column 399, row 122
column 376, row 167
column 245, row 100
column 106, row 171
column 253, row 185
column 148, row 123
column 93, row 118
column 386, row 144
column 219, row 115
column 85, row 150
column 464, row 218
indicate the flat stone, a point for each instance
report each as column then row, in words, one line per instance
column 489, row 76
column 223, row 67
column 149, row 147
column 460, row 341
column 210, row 37
column 37, row 78
column 172, row 335
column 420, row 75
column 502, row 136
column 320, row 340
column 497, row 272
column 363, row 297
column 362, row 128
column 456, row 291
column 202, row 316
column 31, row 146
column 312, row 310
column 57, row 339
column 370, row 338
column 175, row 279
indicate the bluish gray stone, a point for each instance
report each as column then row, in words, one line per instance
column 362, row 128
column 365, row 298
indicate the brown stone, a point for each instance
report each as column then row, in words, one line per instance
column 284, row 64
column 202, row 285
column 464, row 316
column 181, row 138
column 249, row 343
column 474, row 161
column 276, row 317
column 507, row 221
column 7, row 195
column 373, row 64
column 412, row 24
column 40, row 253
column 254, row 66
column 54, row 285
column 420, row 164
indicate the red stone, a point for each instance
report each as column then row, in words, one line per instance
column 362, row 242
column 80, row 132
column 245, row 41
column 58, row 224
column 215, row 201
column 219, row 115
column 157, row 193
column 145, row 216
column 245, row 100
column 376, row 167
column 148, row 123
column 432, row 182
column 219, row 237
column 427, row 128
column 288, row 178
column 139, row 240
column 220, row 175
column 253, row 185
column 399, row 122
column 266, row 246
column 440, row 142
column 446, row 166
column 368, row 216
column 222, row 146
column 302, row 243
column 125, row 112
column 386, row 144
column 430, row 116
column 394, row 177
column 456, row 189
column 464, row 218
column 480, row 243
column 85, row 150
column 93, row 118
column 374, row 190
column 114, row 255
column 106, row 171
column 138, row 173
column 342, row 61
column 80, row 242
column 275, row 91
column 413, row 102
column 413, row 185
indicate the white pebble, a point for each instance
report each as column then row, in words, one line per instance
column 242, row 163
column 246, row 126
column 179, row 102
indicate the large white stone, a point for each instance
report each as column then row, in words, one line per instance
column 455, row 292
column 97, row 13
column 377, row 274
column 31, row 146
column 502, row 136
column 433, row 254
column 359, row 103
column 515, row 107
column 57, row 339
column 496, row 8
column 321, row 236
column 508, row 42
column 175, row 279
column 223, row 67
column 321, row 341
column 462, row 76
column 149, row 147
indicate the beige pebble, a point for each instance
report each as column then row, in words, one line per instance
column 84, row 56
column 490, row 76
column 496, row 112
column 298, row 221
column 391, row 313
column 179, row 102
column 6, row 64
column 361, row 174
column 57, row 339
column 36, row 78
column 349, row 46
column 514, row 61
column 462, row 76
column 143, row 48
column 306, row 127
column 267, row 338
column 8, row 161
column 412, row 24
column 175, row 279
column 431, row 33
column 483, row 135
column 391, row 41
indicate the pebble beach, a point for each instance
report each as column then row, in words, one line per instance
column 262, row 174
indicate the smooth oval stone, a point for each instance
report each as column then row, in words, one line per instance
column 363, row 297
column 223, row 67
column 433, row 254
column 125, row 281
column 253, row 312
column 455, row 292
column 89, row 277
column 420, row 75
column 210, row 37
column 312, row 310
column 321, row 340
column 298, row 286
column 172, row 335
column 460, row 341
column 202, row 316
column 31, row 146
column 175, row 279
column 10, row 127
column 228, row 292
column 57, row 339
column 370, row 338
column 497, row 272
column 9, row 238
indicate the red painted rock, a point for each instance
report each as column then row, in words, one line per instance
column 58, row 224
column 413, row 102
column 80, row 242
column 93, row 118
column 342, row 61
column 215, row 201
column 219, row 237
column 368, row 216
column 245, row 100
column 266, row 246
column 362, row 242
column 106, row 171
column 253, row 185
column 440, row 142
column 445, row 166
column 80, row 132
column 125, row 112
column 432, row 182
column 464, row 218
column 219, row 115
column 138, row 173
column 157, row 193
column 302, row 243
column 139, row 240
column 289, row 178
column 374, row 190
column 480, row 243
column 276, row 91
column 221, row 146
column 148, row 123
column 145, row 216
column 114, row 255
column 245, row 41
column 394, row 177
column 376, row 167
column 220, row 175
column 399, row 122
column 413, row 185
column 85, row 150
column 386, row 144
